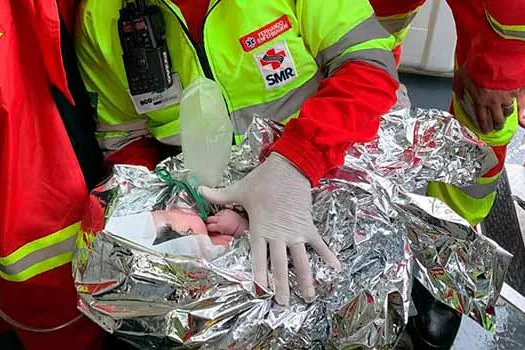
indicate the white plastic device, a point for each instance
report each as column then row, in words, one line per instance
column 206, row 131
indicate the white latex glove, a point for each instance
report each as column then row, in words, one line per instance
column 278, row 200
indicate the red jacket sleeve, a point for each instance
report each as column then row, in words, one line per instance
column 496, row 59
column 346, row 109
column 387, row 8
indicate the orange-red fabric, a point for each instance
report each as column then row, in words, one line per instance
column 194, row 12
column 143, row 152
column 501, row 154
column 492, row 61
column 45, row 301
column 387, row 8
column 346, row 109
column 42, row 189
column 398, row 52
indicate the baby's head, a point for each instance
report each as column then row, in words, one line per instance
column 177, row 222
column 184, row 220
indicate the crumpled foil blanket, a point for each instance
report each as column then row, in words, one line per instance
column 372, row 213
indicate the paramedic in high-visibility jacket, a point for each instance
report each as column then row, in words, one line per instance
column 489, row 74
column 324, row 67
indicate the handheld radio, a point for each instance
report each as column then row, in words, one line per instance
column 143, row 39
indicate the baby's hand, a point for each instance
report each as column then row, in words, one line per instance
column 227, row 222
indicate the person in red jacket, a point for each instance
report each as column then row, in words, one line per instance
column 48, row 155
column 490, row 43
column 490, row 71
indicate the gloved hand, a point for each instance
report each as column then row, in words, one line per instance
column 488, row 109
column 278, row 200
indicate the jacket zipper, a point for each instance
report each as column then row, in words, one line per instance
column 200, row 48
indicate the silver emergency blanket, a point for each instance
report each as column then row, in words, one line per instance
column 371, row 212
column 516, row 148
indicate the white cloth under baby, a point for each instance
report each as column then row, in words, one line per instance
column 140, row 228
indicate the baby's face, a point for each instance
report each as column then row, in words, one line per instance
column 180, row 220
column 174, row 223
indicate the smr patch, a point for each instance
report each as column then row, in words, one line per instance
column 276, row 66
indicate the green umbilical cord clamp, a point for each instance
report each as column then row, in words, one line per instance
column 202, row 205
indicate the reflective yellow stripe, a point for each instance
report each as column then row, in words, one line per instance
column 295, row 115
column 399, row 25
column 39, row 268
column 513, row 32
column 239, row 139
column 40, row 243
column 400, row 15
column 400, row 36
column 474, row 210
column 464, row 201
column 111, row 134
column 40, row 255
column 489, row 180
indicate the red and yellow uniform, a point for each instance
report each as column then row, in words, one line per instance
column 42, row 187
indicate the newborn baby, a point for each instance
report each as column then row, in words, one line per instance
column 221, row 227
column 180, row 231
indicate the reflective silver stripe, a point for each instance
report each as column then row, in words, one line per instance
column 395, row 25
column 132, row 131
column 489, row 162
column 136, row 125
column 377, row 57
column 171, row 141
column 26, row 262
column 369, row 29
column 505, row 33
column 480, row 191
column 279, row 109
column 110, row 145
